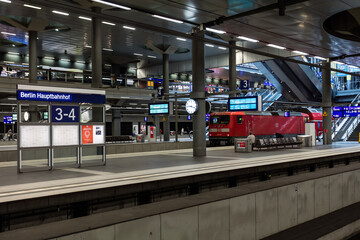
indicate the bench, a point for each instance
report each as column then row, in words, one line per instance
column 276, row 142
column 122, row 138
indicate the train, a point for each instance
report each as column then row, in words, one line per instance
column 315, row 117
column 225, row 126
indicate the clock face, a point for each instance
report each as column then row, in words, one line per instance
column 26, row 116
column 191, row 106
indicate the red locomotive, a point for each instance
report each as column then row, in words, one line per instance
column 225, row 126
column 315, row 117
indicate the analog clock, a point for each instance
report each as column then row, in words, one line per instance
column 26, row 116
column 191, row 106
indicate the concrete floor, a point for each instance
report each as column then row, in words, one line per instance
column 123, row 169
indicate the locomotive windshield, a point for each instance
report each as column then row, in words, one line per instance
column 225, row 119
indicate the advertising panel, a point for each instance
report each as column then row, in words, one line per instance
column 87, row 134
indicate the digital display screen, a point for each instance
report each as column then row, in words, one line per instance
column 352, row 111
column 46, row 116
column 14, row 117
column 8, row 120
column 158, row 108
column 244, row 104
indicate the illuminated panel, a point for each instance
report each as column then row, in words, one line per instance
column 245, row 104
column 158, row 108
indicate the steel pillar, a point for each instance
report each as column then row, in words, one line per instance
column 116, row 122
column 198, row 93
column 96, row 51
column 32, row 56
column 232, row 69
column 326, row 102
column 166, row 123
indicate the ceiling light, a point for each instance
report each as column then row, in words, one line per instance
column 85, row 18
column 151, row 56
column 108, row 49
column 8, row 62
column 301, row 53
column 138, row 54
column 6, row 1
column 88, row 46
column 215, row 31
column 130, row 28
column 56, row 29
column 181, row 39
column 32, row 6
column 109, row 23
column 247, row 39
column 107, row 65
column 222, row 48
column 49, row 58
column 338, row 62
column 168, row 19
column 353, row 66
column 82, row 62
column 65, row 60
column 209, row 45
column 320, row 58
column 6, row 33
column 14, row 53
column 13, row 45
column 276, row 46
column 61, row 13
column 112, row 4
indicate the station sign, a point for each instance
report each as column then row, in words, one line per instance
column 253, row 103
column 244, row 84
column 349, row 111
column 65, row 114
column 8, row 120
column 31, row 95
column 159, row 108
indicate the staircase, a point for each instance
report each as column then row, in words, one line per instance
column 355, row 134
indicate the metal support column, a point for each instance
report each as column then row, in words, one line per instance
column 198, row 93
column 32, row 56
column 232, row 69
column 166, row 123
column 326, row 102
column 116, row 122
column 96, row 51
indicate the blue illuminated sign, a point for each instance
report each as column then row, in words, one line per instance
column 286, row 114
column 207, row 117
column 8, row 120
column 60, row 97
column 337, row 112
column 188, row 117
column 65, row 113
column 352, row 111
column 158, row 108
column 244, row 104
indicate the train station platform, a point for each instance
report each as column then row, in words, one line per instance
column 134, row 168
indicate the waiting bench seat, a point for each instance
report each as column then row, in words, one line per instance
column 276, row 142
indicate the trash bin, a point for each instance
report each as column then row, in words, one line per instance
column 305, row 139
column 140, row 137
column 243, row 145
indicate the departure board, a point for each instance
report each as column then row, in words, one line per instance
column 158, row 108
column 253, row 103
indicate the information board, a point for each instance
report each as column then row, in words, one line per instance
column 253, row 103
column 8, row 120
column 348, row 111
column 244, row 84
column 34, row 136
column 65, row 114
column 158, row 108
column 92, row 134
column 65, row 135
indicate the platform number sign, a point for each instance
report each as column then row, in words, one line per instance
column 244, row 84
column 65, row 113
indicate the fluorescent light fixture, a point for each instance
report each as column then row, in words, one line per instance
column 65, row 60
column 168, row 19
column 108, row 23
column 56, row 29
column 8, row 62
column 61, row 13
column 222, row 48
column 85, row 18
column 7, row 33
column 112, row 4
column 107, row 65
column 88, row 46
column 133, row 104
column 301, row 53
column 338, row 62
column 12, row 99
column 14, row 53
column 247, row 39
column 13, row 45
column 24, row 63
column 6, row 1
column 181, row 39
column 320, row 58
column 138, row 54
column 276, row 46
column 32, row 6
column 353, row 66
column 108, row 49
column 81, row 62
column 130, row 28
column 215, row 31
column 49, row 58
column 209, row 45
column 150, row 56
